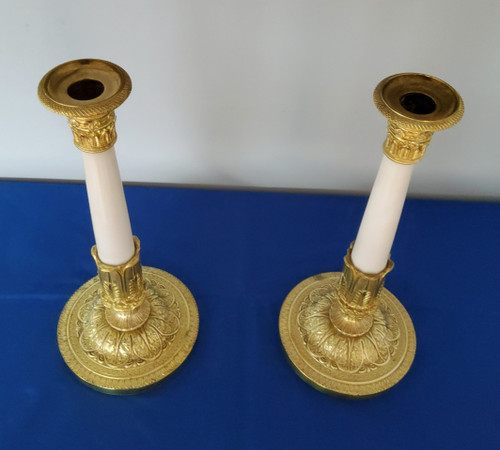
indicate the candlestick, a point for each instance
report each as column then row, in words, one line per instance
column 128, row 328
column 344, row 332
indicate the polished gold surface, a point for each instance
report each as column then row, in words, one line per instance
column 358, row 297
column 128, row 328
column 416, row 105
column 94, row 135
column 121, row 286
column 345, row 334
column 87, row 91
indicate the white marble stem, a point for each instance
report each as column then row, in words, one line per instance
column 108, row 208
column 381, row 218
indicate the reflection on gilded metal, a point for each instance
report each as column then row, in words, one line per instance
column 87, row 91
column 344, row 332
column 416, row 105
column 131, row 326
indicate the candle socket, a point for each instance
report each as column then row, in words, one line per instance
column 344, row 332
column 87, row 91
column 416, row 105
column 131, row 326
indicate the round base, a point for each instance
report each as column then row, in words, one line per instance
column 334, row 363
column 128, row 362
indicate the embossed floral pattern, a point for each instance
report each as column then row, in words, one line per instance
column 124, row 349
column 338, row 351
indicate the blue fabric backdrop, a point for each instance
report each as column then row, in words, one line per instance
column 240, row 253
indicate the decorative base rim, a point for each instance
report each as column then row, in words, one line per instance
column 336, row 364
column 145, row 356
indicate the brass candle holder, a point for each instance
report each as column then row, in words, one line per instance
column 128, row 328
column 344, row 332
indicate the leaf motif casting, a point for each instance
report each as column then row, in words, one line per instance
column 333, row 349
column 124, row 349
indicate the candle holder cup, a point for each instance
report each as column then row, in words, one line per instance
column 344, row 332
column 131, row 326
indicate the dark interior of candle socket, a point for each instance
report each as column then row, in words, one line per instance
column 85, row 89
column 417, row 103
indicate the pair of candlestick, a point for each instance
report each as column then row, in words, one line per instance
column 132, row 326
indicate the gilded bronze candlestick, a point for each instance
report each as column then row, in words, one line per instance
column 128, row 328
column 344, row 332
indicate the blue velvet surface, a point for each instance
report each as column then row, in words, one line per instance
column 240, row 253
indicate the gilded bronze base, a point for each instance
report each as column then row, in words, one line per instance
column 128, row 362
column 344, row 363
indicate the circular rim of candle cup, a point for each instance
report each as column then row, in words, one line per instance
column 448, row 105
column 98, row 87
